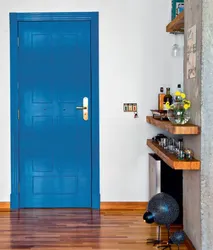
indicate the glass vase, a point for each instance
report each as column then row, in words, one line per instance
column 177, row 114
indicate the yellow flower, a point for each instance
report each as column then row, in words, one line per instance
column 186, row 106
column 167, row 105
column 187, row 102
column 183, row 95
column 177, row 93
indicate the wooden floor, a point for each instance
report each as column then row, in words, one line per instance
column 76, row 229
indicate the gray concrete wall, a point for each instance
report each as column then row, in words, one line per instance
column 192, row 87
column 207, row 126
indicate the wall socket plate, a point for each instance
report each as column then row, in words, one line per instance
column 130, row 107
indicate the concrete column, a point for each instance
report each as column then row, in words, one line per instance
column 192, row 87
column 207, row 126
column 198, row 186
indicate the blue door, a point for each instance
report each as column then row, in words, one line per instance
column 54, row 75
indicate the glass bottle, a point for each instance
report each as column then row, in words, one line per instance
column 179, row 88
column 167, row 98
column 178, row 98
column 161, row 99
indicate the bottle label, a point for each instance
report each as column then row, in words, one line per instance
column 167, row 102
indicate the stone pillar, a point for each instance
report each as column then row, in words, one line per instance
column 207, row 126
column 192, row 88
column 198, row 185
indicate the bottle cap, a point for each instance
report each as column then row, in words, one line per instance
column 179, row 86
column 161, row 89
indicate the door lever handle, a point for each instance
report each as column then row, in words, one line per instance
column 84, row 108
column 81, row 108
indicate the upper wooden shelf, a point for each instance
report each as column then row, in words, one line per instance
column 177, row 24
column 171, row 159
column 187, row 129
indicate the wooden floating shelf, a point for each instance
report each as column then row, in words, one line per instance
column 177, row 24
column 186, row 129
column 171, row 159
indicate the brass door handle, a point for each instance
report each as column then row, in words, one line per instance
column 81, row 108
column 84, row 108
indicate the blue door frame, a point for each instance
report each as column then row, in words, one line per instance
column 93, row 17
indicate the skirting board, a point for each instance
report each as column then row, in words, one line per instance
column 123, row 205
column 5, row 206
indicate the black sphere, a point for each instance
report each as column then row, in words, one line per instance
column 177, row 238
column 148, row 217
column 164, row 208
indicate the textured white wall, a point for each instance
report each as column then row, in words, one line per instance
column 135, row 60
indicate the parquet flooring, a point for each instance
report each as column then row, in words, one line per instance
column 82, row 229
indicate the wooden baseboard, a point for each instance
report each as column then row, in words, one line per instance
column 189, row 244
column 123, row 205
column 4, row 206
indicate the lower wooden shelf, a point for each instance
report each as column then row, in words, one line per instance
column 171, row 159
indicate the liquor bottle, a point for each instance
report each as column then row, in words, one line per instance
column 161, row 99
column 177, row 98
column 167, row 98
column 179, row 88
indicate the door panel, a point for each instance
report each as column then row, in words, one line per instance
column 54, row 140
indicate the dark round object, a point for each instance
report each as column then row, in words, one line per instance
column 164, row 208
column 177, row 238
column 148, row 217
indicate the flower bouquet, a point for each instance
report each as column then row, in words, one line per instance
column 178, row 112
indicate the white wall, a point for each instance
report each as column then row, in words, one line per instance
column 135, row 60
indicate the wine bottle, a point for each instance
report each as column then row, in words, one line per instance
column 161, row 99
column 167, row 98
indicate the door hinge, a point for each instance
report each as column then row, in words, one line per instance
column 18, row 114
column 19, row 188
